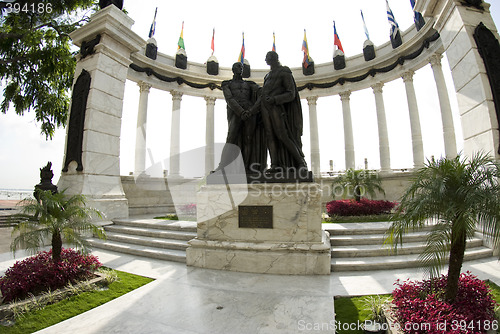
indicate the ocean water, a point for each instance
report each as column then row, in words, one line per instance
column 15, row 194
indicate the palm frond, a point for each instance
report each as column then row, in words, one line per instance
column 30, row 239
column 434, row 256
column 459, row 195
column 54, row 214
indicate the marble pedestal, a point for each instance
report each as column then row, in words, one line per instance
column 296, row 244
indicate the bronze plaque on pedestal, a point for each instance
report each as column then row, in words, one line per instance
column 255, row 216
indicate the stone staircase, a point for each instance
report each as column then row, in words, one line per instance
column 6, row 217
column 153, row 238
column 359, row 246
column 355, row 246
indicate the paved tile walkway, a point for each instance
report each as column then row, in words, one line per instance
column 191, row 300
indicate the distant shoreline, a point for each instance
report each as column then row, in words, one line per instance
column 15, row 194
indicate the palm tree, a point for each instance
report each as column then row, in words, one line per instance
column 360, row 181
column 457, row 197
column 57, row 216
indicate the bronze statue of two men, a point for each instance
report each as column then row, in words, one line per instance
column 264, row 118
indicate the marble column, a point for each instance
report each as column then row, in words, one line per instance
column 348, row 133
column 456, row 23
column 96, row 172
column 140, row 135
column 383, row 135
column 416, row 132
column 175, row 135
column 450, row 143
column 209, row 135
column 313, row 129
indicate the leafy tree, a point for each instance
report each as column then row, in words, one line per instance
column 36, row 61
column 457, row 197
column 57, row 216
column 359, row 182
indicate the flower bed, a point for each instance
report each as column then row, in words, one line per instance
column 418, row 309
column 39, row 273
column 364, row 207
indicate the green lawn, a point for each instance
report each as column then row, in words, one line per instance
column 350, row 310
column 168, row 217
column 65, row 309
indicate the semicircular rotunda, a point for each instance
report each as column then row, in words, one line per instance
column 112, row 54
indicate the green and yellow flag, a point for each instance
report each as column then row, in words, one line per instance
column 180, row 43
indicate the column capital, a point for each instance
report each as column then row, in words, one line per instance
column 176, row 95
column 312, row 100
column 345, row 96
column 210, row 100
column 143, row 86
column 435, row 59
column 408, row 76
column 378, row 87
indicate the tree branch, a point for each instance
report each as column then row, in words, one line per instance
column 12, row 60
column 4, row 35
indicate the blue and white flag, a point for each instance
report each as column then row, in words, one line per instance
column 153, row 25
column 392, row 21
column 364, row 25
column 417, row 18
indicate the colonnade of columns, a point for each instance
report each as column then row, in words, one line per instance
column 384, row 147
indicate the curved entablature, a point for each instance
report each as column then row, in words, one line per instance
column 388, row 65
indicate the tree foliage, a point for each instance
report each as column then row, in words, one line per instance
column 358, row 182
column 36, row 60
column 456, row 197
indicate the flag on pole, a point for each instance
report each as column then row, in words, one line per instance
column 241, row 57
column 180, row 43
column 213, row 42
column 307, row 60
column 336, row 39
column 274, row 42
column 417, row 16
column 392, row 21
column 153, row 25
column 364, row 25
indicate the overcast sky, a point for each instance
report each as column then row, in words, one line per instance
column 23, row 150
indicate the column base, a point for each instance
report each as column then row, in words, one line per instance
column 262, row 257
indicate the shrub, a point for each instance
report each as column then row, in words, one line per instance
column 421, row 308
column 364, row 207
column 39, row 273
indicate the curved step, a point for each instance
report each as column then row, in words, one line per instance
column 148, row 241
column 372, row 239
column 138, row 250
column 160, row 224
column 396, row 262
column 337, row 229
column 151, row 232
column 384, row 250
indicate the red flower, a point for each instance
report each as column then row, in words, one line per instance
column 39, row 273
